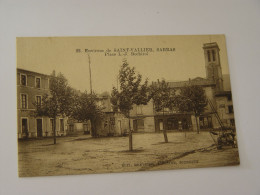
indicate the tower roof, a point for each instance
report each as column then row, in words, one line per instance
column 210, row 45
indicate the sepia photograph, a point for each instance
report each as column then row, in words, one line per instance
column 110, row 104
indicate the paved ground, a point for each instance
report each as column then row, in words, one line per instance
column 83, row 154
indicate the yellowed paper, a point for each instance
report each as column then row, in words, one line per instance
column 179, row 114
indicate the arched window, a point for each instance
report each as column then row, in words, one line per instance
column 213, row 55
column 209, row 56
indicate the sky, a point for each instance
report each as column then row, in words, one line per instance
column 186, row 60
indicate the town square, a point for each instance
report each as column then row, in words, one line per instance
column 127, row 118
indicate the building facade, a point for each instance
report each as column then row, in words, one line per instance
column 146, row 119
column 31, row 87
column 113, row 123
column 225, row 108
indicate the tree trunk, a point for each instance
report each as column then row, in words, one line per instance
column 130, row 136
column 54, row 130
column 165, row 136
column 93, row 128
column 198, row 129
column 164, row 130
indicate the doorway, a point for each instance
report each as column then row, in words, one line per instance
column 138, row 125
column 39, row 127
column 25, row 127
column 61, row 125
column 172, row 123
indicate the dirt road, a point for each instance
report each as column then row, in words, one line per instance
column 83, row 154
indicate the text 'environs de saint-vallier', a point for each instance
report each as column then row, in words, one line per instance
column 126, row 51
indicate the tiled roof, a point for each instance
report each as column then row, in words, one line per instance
column 31, row 72
column 196, row 81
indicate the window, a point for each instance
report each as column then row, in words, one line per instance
column 61, row 125
column 229, row 97
column 24, row 101
column 38, row 100
column 23, row 79
column 232, row 122
column 213, row 55
column 24, row 125
column 205, row 122
column 209, row 56
column 52, row 124
column 210, row 122
column 230, row 109
column 38, row 82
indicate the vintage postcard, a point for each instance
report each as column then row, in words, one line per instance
column 125, row 103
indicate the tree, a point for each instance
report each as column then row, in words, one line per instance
column 86, row 108
column 131, row 92
column 192, row 98
column 114, row 99
column 56, row 103
column 163, row 97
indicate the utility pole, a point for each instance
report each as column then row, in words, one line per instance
column 90, row 80
column 117, row 82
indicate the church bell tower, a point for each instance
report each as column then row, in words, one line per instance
column 212, row 64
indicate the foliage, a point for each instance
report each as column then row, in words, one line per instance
column 163, row 96
column 58, row 102
column 114, row 99
column 86, row 108
column 60, row 99
column 131, row 90
column 192, row 98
